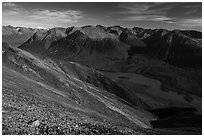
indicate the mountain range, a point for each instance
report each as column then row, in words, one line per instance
column 101, row 80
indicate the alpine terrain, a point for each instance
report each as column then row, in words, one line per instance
column 101, row 80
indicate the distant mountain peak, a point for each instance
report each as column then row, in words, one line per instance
column 39, row 27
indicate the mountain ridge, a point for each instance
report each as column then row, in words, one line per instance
column 135, row 38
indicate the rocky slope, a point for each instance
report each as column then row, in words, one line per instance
column 42, row 96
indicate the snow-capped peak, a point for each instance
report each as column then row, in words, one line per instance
column 39, row 27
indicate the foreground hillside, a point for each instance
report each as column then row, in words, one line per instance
column 39, row 97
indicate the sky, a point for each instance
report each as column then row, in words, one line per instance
column 168, row 15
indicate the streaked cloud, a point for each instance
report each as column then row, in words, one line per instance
column 144, row 11
column 190, row 22
column 39, row 17
column 147, row 18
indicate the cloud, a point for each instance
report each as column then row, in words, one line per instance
column 47, row 18
column 196, row 5
column 9, row 4
column 147, row 18
column 182, row 14
column 68, row 16
column 190, row 22
column 145, row 8
column 144, row 11
column 195, row 23
column 191, row 11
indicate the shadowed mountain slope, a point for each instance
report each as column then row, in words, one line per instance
column 177, row 49
column 172, row 47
